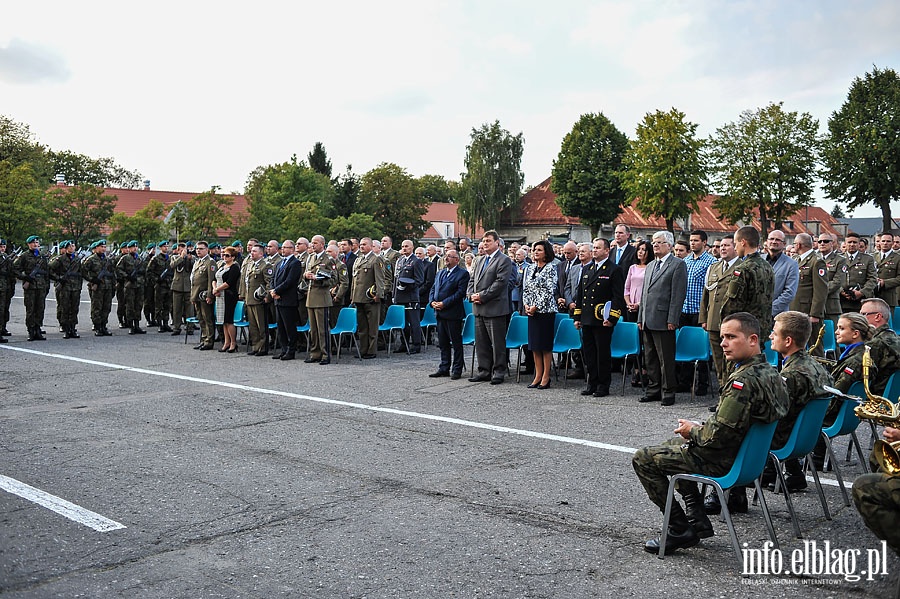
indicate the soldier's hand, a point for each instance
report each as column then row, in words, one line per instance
column 891, row 434
column 671, row 326
column 684, row 428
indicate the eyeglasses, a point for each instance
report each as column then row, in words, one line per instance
column 823, row 241
column 867, row 314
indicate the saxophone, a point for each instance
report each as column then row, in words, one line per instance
column 883, row 412
column 827, row 362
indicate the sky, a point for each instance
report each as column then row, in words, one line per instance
column 194, row 94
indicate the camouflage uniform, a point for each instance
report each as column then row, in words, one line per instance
column 6, row 287
column 885, row 354
column 753, row 393
column 804, row 378
column 65, row 269
column 750, row 290
column 847, row 371
column 101, row 277
column 131, row 270
column 150, row 284
column 180, row 266
column 159, row 273
column 877, row 497
column 32, row 268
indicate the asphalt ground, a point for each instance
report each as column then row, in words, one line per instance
column 224, row 475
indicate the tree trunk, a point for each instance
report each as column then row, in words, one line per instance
column 670, row 226
column 595, row 232
column 887, row 223
column 763, row 224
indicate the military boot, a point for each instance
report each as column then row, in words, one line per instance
column 679, row 536
column 737, row 502
column 696, row 515
column 67, row 332
column 74, row 333
column 136, row 328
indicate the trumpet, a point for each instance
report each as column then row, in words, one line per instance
column 829, row 363
column 879, row 410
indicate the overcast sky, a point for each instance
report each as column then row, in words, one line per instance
column 194, row 94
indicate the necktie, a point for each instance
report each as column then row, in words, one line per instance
column 618, row 255
column 485, row 264
column 658, row 266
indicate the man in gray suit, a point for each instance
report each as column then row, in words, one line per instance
column 488, row 291
column 665, row 287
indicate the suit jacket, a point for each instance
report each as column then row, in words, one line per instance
column 493, row 285
column 599, row 284
column 319, row 290
column 663, row 294
column 431, row 269
column 562, row 277
column 629, row 257
column 787, row 276
column 570, row 293
column 285, row 280
column 203, row 274
column 450, row 288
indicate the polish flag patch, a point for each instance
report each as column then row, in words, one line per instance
column 737, row 273
column 737, row 385
column 848, row 370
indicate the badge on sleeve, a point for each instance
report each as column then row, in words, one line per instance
column 844, row 268
column 848, row 370
column 269, row 271
column 737, row 385
column 737, row 273
column 822, row 272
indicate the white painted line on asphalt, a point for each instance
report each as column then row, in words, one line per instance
column 348, row 404
column 59, row 505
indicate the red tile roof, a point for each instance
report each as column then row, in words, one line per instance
column 444, row 212
column 539, row 207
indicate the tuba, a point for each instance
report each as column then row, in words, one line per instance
column 828, row 363
column 888, row 456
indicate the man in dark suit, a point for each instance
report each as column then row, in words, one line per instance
column 409, row 279
column 284, row 292
column 446, row 298
column 348, row 257
column 488, row 290
column 665, row 287
column 621, row 252
column 601, row 282
column 563, row 268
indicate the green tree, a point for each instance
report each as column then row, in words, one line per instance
column 396, row 204
column 22, row 210
column 765, row 163
column 862, row 148
column 587, row 172
column 664, row 172
column 304, row 219
column 346, row 193
column 318, row 160
column 79, row 212
column 435, row 188
column 18, row 146
column 103, row 172
column 493, row 177
column 356, row 225
column 145, row 226
column 207, row 213
column 837, row 212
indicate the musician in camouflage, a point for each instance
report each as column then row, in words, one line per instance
column 885, row 344
column 65, row 271
column 753, row 393
column 32, row 268
column 877, row 497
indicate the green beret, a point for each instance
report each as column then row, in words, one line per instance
column 150, row 246
column 189, row 244
column 162, row 243
column 132, row 244
column 32, row 239
column 213, row 245
column 237, row 244
column 66, row 244
column 2, row 241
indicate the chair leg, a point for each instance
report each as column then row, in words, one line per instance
column 768, row 517
column 726, row 516
column 837, row 470
column 670, row 497
column 566, row 371
column 624, row 372
column 859, row 452
column 787, row 496
column 518, row 363
column 694, row 380
column 807, row 465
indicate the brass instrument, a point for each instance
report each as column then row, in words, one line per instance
column 827, row 362
column 879, row 410
column 888, row 456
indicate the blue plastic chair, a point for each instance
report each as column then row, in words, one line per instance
column 304, row 328
column 829, row 341
column 429, row 319
column 772, row 356
column 467, row 306
column 748, row 466
column 192, row 321
column 346, row 325
column 845, row 423
column 566, row 340
column 516, row 337
column 626, row 341
column 560, row 316
column 468, row 337
column 692, row 345
column 241, row 323
column 800, row 444
column 394, row 320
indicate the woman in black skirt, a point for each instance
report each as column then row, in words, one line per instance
column 539, row 304
column 226, row 291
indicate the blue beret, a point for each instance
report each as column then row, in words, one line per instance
column 65, row 244
column 162, row 243
column 32, row 239
column 237, row 244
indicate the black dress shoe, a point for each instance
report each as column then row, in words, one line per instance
column 668, row 400
column 497, row 381
column 455, row 376
column 438, row 374
column 479, row 379
column 198, row 346
column 309, row 361
column 648, row 398
column 368, row 356
column 674, row 540
column 324, row 362
column 277, row 356
column 601, row 393
column 287, row 356
column 251, row 353
column 588, row 391
column 205, row 347
column 737, row 502
column 261, row 353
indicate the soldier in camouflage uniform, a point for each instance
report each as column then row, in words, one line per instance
column 752, row 282
column 65, row 270
column 132, row 270
column 805, row 380
column 754, row 393
column 150, row 284
column 340, row 284
column 101, row 277
column 861, row 275
column 6, row 289
column 32, row 268
column 885, row 344
column 836, row 270
column 876, row 497
column 158, row 272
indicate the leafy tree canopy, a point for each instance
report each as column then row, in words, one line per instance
column 318, row 160
column 79, row 169
column 22, row 211
column 396, row 204
column 354, row 226
column 145, row 226
column 79, row 212
column 435, row 188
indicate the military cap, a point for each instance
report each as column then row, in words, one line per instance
column 237, row 244
column 133, row 244
column 162, row 243
column 2, row 241
column 66, row 243
column 150, row 246
column 189, row 244
column 32, row 239
column 212, row 245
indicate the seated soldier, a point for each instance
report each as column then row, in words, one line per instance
column 804, row 378
column 885, row 344
column 876, row 497
column 754, row 392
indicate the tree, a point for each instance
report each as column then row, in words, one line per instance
column 22, row 211
column 206, row 213
column 346, row 193
column 18, row 146
column 396, row 204
column 587, row 172
column 862, row 147
column 318, row 160
column 103, row 172
column 435, row 188
column 664, row 173
column 765, row 162
column 837, row 212
column 304, row 219
column 145, row 226
column 80, row 212
column 356, row 225
column 493, row 177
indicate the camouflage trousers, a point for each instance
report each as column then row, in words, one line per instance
column 150, row 301
column 35, row 301
column 4, row 293
column 877, row 497
column 653, row 466
column 101, row 305
column 163, row 304
column 121, row 304
column 134, row 302
column 68, row 301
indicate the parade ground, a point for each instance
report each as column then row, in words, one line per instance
column 134, row 466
